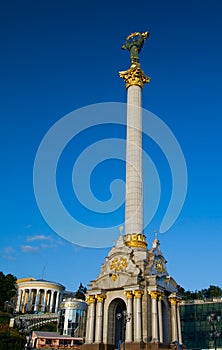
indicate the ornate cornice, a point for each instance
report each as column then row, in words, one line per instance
column 137, row 240
column 134, row 76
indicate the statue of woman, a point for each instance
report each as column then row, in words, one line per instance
column 134, row 43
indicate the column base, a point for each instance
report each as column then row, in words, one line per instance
column 133, row 346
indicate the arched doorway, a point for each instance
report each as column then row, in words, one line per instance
column 115, row 323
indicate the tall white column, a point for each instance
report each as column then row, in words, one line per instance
column 160, row 317
column 138, row 315
column 57, row 301
column 173, row 302
column 22, row 300
column 178, row 323
column 99, row 317
column 51, row 300
column 37, row 297
column 154, row 314
column 134, row 194
column 19, row 297
column 44, row 300
column 91, row 319
column 29, row 299
column 129, row 323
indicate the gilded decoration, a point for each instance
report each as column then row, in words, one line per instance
column 114, row 277
column 159, row 266
column 128, row 294
column 137, row 240
column 118, row 264
column 134, row 76
column 153, row 294
column 100, row 297
column 173, row 300
column 90, row 299
column 138, row 293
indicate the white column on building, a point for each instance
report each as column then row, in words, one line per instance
column 174, row 327
column 44, row 299
column 37, row 297
column 134, row 193
column 178, row 323
column 160, row 317
column 138, row 315
column 19, row 298
column 22, row 300
column 29, row 299
column 51, row 299
column 154, row 315
column 99, row 317
column 57, row 301
column 129, row 323
column 91, row 319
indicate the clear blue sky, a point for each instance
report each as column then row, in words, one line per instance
column 58, row 56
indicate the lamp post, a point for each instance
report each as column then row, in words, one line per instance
column 125, row 317
column 214, row 320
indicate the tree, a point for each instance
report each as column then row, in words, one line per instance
column 7, row 288
column 209, row 293
column 80, row 293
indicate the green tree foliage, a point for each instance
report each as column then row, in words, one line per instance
column 210, row 293
column 80, row 293
column 7, row 288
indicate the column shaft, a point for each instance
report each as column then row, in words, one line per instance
column 134, row 195
column 174, row 320
column 179, row 325
column 91, row 321
column 18, row 300
column 129, row 324
column 51, row 300
column 160, row 318
column 57, row 301
column 99, row 319
column 154, row 318
column 138, row 316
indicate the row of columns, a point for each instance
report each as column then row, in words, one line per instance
column 134, row 323
column 137, row 312
column 95, row 309
column 157, row 317
column 38, row 299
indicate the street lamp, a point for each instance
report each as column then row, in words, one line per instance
column 214, row 320
column 126, row 317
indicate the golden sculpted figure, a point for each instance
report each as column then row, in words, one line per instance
column 134, row 43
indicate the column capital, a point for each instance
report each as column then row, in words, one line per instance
column 100, row 297
column 90, row 299
column 160, row 295
column 173, row 300
column 134, row 76
column 138, row 293
column 128, row 294
column 154, row 294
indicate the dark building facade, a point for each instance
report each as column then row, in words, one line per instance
column 197, row 333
